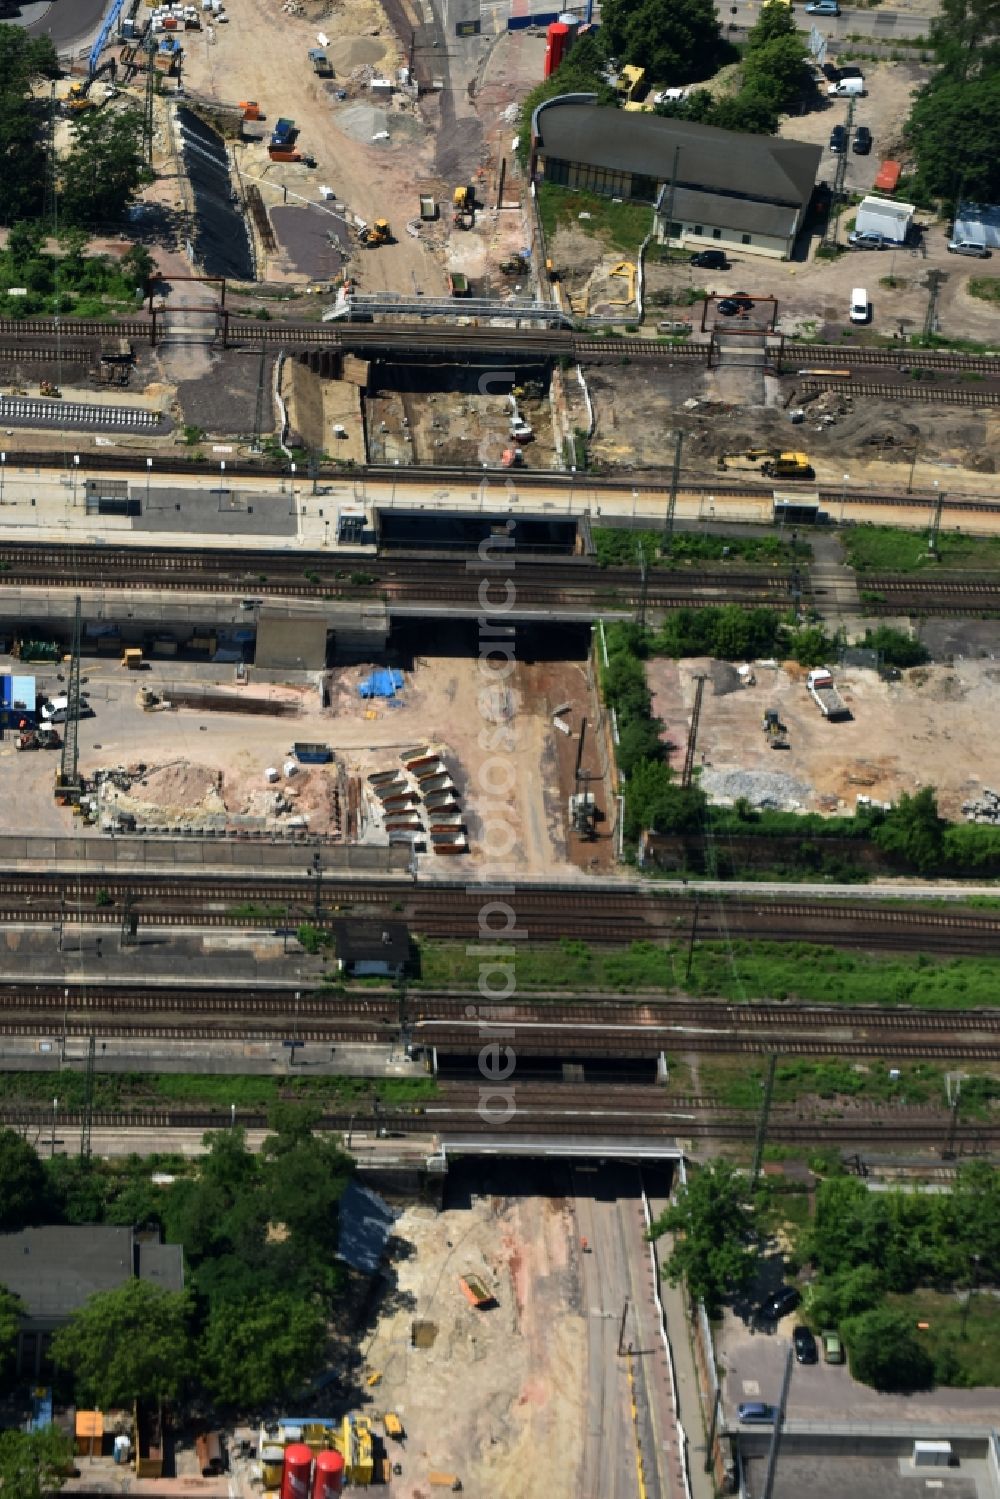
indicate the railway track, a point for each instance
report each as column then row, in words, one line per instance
column 962, row 594
column 599, row 914
column 661, row 1122
column 913, row 390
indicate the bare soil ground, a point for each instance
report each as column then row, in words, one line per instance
column 208, row 765
column 874, row 440
column 499, row 1399
column 455, row 428
column 937, row 727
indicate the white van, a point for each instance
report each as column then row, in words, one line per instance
column 859, row 305
column 56, row 709
column 847, row 88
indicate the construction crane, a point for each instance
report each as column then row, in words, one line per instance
column 688, row 771
column 68, row 779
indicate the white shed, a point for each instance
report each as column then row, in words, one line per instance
column 883, row 216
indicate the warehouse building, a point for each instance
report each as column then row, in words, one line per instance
column 711, row 188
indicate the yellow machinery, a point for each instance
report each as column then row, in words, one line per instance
column 357, row 1450
column 375, row 234
column 774, row 464
column 626, row 269
column 77, row 100
column 132, row 658
column 393, row 1426
column 464, row 207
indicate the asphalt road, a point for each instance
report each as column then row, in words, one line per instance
column 66, row 21
column 881, row 25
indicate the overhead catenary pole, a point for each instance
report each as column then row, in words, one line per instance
column 762, row 1119
column 675, row 474
column 779, row 1422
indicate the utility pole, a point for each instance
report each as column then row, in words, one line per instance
column 50, row 207
column 69, row 779
column 258, row 415
column 88, row 1100
column 934, row 279
column 772, row 1455
column 622, row 1349
column 668, row 528
column 837, row 191
column 643, row 583
column 147, row 113
column 130, row 922
column 692, row 739
column 762, row 1119
column 694, row 933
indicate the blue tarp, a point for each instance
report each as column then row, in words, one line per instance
column 23, row 693
column 381, row 683
column 6, row 690
column 365, row 1221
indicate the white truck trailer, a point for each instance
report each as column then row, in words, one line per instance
column 825, row 695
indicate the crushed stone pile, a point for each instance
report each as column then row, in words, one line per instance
column 768, row 789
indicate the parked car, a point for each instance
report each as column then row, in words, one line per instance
column 838, row 140
column 55, row 710
column 860, row 305
column 830, row 73
column 710, row 260
column 823, row 8
column 757, row 1411
column 867, row 239
column 833, row 1348
column 805, row 1345
column 779, row 1305
column 862, row 141
column 850, row 70
column 968, row 247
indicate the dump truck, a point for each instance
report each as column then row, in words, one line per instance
column 464, row 207
column 825, row 695
column 284, row 132
column 288, row 153
column 458, row 284
column 428, row 208
column 132, row 658
column 251, row 109
column 320, row 63
column 476, row 1293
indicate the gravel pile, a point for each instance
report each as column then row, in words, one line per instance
column 762, row 788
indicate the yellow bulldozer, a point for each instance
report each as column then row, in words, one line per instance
column 375, row 234
column 773, row 463
column 463, row 207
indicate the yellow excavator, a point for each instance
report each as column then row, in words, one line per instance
column 78, row 99
column 773, row 463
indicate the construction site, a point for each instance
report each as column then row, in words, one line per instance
column 362, row 755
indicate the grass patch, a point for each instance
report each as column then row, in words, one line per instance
column 620, row 548
column 741, row 1087
column 622, row 226
column 884, row 549
column 123, row 1091
column 966, row 1361
column 986, row 288
column 831, row 975
column 558, row 966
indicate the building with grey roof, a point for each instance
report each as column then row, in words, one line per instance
column 711, row 188
column 54, row 1269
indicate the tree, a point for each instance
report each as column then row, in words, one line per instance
column 747, row 112
column 896, row 647
column 263, row 1348
column 676, row 41
column 776, row 70
column 23, row 60
column 128, row 1344
column 775, row 20
column 639, row 740
column 11, row 1310
column 954, row 129
column 913, row 832
column 965, row 35
column 24, row 1196
column 833, row 1298
column 33, row 1464
column 104, row 168
column 886, row 1353
column 713, row 1229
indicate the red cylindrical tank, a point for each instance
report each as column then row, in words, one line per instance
column 557, row 40
column 328, row 1480
column 295, row 1474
